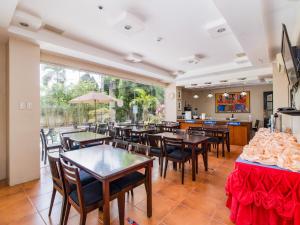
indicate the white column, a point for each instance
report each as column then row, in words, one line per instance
column 24, row 111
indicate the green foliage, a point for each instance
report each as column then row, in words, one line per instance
column 56, row 93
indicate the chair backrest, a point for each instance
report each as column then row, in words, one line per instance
column 179, row 131
column 64, row 142
column 196, row 132
column 43, row 139
column 173, row 142
column 117, row 143
column 256, row 124
column 126, row 132
column 154, row 140
column 102, row 128
column 55, row 168
column 71, row 177
column 139, row 148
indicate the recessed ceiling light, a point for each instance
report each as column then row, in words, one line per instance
column 134, row 58
column 221, row 30
column 23, row 24
column 223, row 81
column 242, row 78
column 208, row 83
column 100, row 7
column 127, row 27
column 241, row 54
column 193, row 84
column 159, row 39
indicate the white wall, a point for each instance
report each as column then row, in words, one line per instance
column 3, row 109
column 170, row 103
column 23, row 134
column 207, row 105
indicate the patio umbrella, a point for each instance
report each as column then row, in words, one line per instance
column 95, row 97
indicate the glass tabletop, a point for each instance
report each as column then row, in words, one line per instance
column 104, row 160
column 85, row 136
column 187, row 138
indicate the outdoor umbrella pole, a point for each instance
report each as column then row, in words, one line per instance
column 95, row 112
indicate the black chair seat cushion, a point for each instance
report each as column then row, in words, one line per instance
column 128, row 180
column 197, row 150
column 155, row 150
column 94, row 144
column 170, row 148
column 214, row 140
column 179, row 155
column 85, row 179
column 92, row 193
column 75, row 147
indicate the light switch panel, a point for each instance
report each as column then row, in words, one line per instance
column 22, row 105
column 29, row 105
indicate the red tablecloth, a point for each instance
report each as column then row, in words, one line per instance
column 259, row 195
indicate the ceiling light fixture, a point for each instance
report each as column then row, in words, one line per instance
column 243, row 93
column 127, row 27
column 134, row 58
column 196, row 96
column 23, row 24
column 178, row 72
column 100, row 7
column 159, row 39
column 225, row 94
column 210, row 95
column 221, row 30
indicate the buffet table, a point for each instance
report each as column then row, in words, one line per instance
column 263, row 195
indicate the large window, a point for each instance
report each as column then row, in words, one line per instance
column 60, row 84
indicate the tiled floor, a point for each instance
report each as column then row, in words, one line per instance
column 197, row 203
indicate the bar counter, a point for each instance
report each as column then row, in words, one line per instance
column 239, row 131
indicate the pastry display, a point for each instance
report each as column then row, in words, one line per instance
column 273, row 148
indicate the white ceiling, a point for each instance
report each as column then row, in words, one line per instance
column 252, row 27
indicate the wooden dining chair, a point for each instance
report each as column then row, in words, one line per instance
column 214, row 140
column 117, row 143
column 46, row 147
column 139, row 148
column 59, row 184
column 156, row 149
column 85, row 199
column 196, row 131
column 178, row 155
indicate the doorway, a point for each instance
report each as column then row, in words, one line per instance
column 268, row 107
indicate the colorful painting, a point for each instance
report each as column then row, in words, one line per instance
column 233, row 103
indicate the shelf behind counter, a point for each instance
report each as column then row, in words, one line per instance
column 239, row 131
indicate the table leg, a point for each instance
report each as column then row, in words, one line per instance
column 223, row 142
column 193, row 163
column 206, row 156
column 228, row 141
column 149, row 190
column 106, row 206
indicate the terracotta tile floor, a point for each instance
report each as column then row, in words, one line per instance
column 197, row 203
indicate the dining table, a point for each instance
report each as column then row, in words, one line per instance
column 85, row 138
column 107, row 164
column 193, row 141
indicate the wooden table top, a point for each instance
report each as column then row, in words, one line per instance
column 104, row 161
column 188, row 139
column 86, row 136
column 142, row 130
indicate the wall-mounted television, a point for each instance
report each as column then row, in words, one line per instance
column 289, row 55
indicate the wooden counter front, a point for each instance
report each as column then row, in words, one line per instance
column 239, row 134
